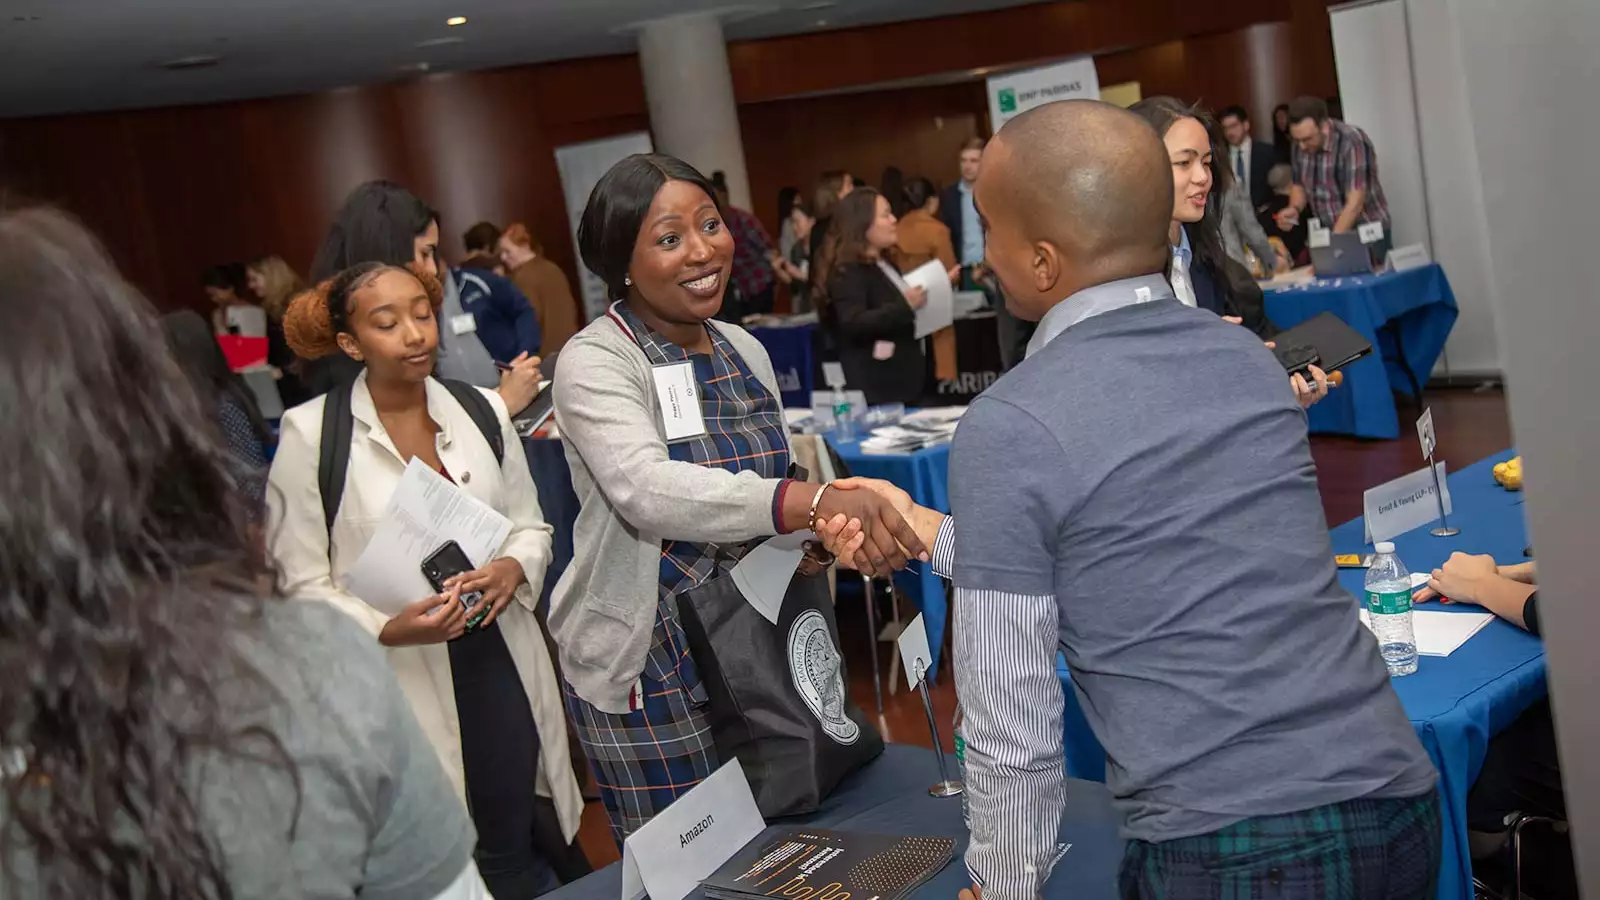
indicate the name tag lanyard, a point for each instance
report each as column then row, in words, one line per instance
column 677, row 389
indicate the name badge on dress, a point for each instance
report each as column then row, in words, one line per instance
column 678, row 395
column 463, row 324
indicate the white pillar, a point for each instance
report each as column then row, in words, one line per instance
column 690, row 91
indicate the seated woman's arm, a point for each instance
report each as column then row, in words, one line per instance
column 1475, row 579
column 606, row 410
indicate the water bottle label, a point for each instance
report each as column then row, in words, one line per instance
column 961, row 749
column 1386, row 604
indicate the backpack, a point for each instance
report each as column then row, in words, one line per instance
column 338, row 424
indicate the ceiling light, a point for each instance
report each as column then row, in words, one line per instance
column 453, row 21
column 822, row 23
column 818, row 5
column 440, row 42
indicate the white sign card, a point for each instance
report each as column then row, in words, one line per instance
column 763, row 575
column 1425, row 433
column 687, row 842
column 915, row 655
column 833, row 374
column 1411, row 256
column 1406, row 503
column 1017, row 92
column 581, row 166
column 1370, row 232
column 1317, row 236
column 940, row 310
column 822, row 405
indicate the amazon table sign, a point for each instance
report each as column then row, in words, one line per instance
column 686, row 842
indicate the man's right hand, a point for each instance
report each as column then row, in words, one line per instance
column 520, row 383
column 890, row 540
column 431, row 620
column 917, row 297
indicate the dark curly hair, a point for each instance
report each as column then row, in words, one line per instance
column 125, row 562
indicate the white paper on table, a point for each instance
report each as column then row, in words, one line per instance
column 763, row 575
column 940, row 310
column 425, row 512
column 1440, row 633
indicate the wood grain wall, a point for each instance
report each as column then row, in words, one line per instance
column 173, row 190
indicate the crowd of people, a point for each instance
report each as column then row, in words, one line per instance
column 202, row 707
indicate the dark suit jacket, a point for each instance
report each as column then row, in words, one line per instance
column 950, row 214
column 1263, row 156
column 1247, row 301
column 864, row 307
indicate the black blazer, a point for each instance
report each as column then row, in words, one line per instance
column 950, row 214
column 864, row 308
column 1263, row 156
column 1247, row 301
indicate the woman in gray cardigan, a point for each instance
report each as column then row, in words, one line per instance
column 679, row 453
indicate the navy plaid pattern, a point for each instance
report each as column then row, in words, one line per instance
column 1364, row 849
column 647, row 758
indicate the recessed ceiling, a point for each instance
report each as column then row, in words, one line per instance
column 60, row 56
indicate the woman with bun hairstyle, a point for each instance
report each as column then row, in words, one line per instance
column 480, row 682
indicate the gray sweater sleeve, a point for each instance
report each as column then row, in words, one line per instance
column 605, row 404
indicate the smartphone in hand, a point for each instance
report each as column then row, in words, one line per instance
column 445, row 563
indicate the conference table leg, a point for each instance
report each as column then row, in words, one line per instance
column 872, row 642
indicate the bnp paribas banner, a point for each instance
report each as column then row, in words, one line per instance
column 1018, row 92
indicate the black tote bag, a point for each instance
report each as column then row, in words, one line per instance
column 779, row 699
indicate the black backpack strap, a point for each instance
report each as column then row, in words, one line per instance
column 334, row 457
column 482, row 413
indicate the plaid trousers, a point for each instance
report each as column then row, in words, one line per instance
column 1361, row 849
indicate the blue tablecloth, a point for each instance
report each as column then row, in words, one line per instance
column 792, row 353
column 890, row 796
column 924, row 475
column 1409, row 313
column 1455, row 702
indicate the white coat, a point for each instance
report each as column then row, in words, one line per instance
column 299, row 542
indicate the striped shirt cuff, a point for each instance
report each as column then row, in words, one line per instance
column 944, row 549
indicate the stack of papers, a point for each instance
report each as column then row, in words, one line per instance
column 1441, row 633
column 425, row 511
column 911, row 435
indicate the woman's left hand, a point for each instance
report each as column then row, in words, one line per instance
column 1309, row 392
column 498, row 581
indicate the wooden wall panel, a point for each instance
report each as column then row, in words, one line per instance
column 173, row 190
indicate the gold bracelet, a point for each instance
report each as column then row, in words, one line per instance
column 816, row 500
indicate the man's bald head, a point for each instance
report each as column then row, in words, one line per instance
column 1074, row 193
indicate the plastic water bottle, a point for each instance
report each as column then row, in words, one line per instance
column 1388, row 598
column 960, row 741
column 844, row 420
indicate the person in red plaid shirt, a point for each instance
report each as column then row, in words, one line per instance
column 1336, row 173
column 754, row 256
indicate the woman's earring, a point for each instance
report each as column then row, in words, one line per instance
column 627, row 281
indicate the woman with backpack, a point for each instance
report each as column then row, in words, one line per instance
column 483, row 690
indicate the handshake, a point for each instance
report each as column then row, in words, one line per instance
column 874, row 527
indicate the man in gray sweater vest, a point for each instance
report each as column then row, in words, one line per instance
column 1156, row 517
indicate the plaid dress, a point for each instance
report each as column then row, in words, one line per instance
column 647, row 758
column 1363, row 849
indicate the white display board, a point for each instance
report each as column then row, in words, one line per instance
column 581, row 167
column 1401, row 78
column 1018, row 92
